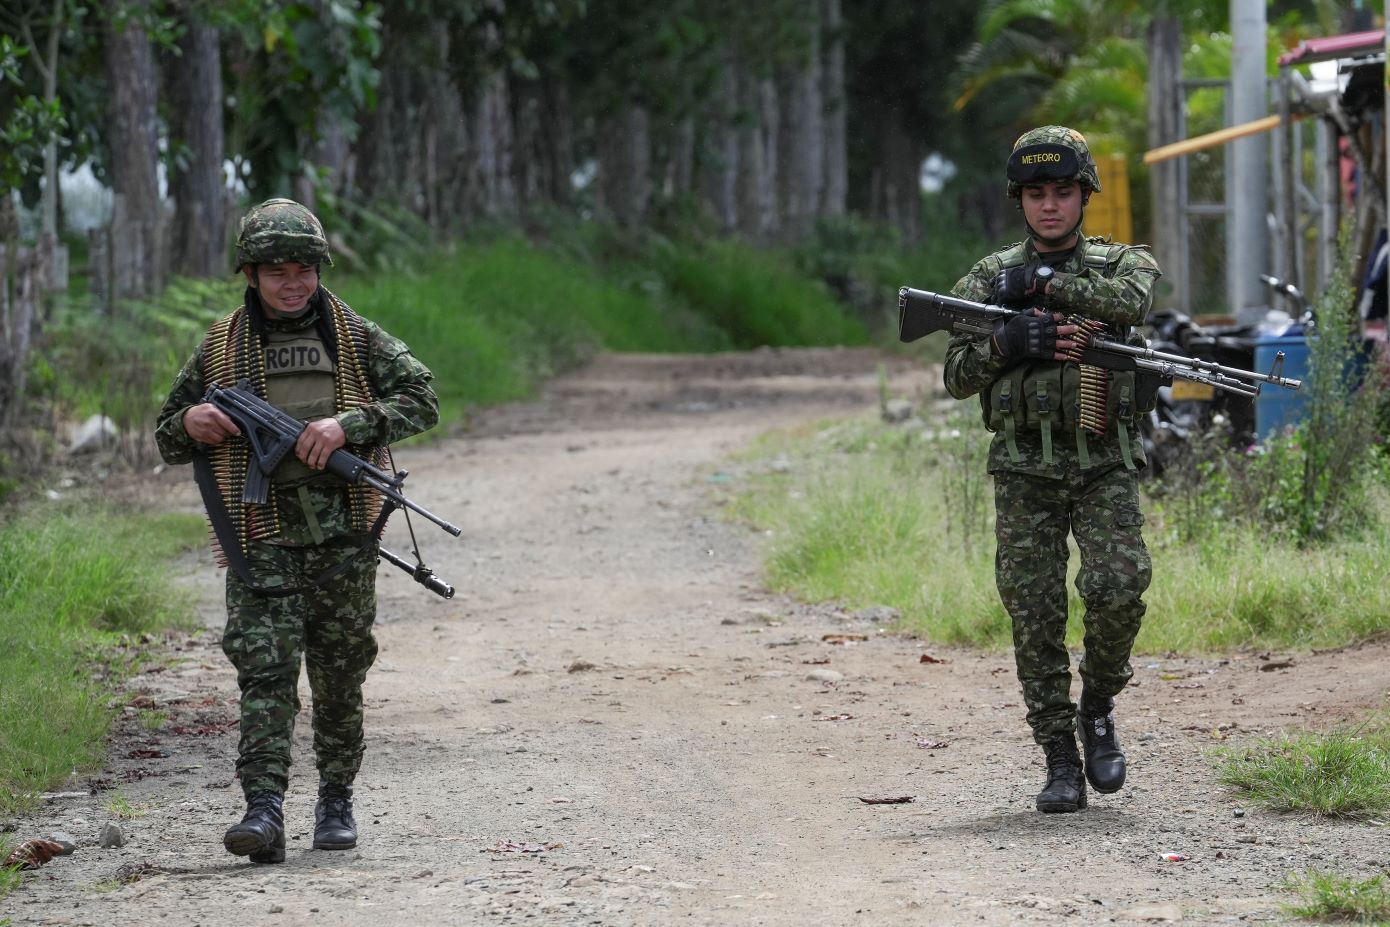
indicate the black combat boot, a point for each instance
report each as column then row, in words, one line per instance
column 1105, row 764
column 1066, row 787
column 334, row 827
column 261, row 833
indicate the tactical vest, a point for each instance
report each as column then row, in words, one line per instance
column 295, row 371
column 299, row 379
column 1066, row 398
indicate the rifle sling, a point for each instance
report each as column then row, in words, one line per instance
column 231, row 543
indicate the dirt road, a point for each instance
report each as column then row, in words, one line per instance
column 612, row 723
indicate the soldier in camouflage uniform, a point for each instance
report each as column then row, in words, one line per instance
column 312, row 557
column 1064, row 455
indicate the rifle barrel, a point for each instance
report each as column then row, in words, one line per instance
column 1232, row 379
column 392, row 492
column 1209, row 366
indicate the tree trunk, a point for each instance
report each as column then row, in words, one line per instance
column 543, row 125
column 48, row 65
column 528, row 124
column 379, row 149
column 986, row 205
column 835, row 188
column 1165, row 126
column 624, row 172
column 135, row 219
column 329, row 152
column 443, row 135
column 544, row 150
column 198, row 235
column 682, row 158
column 490, row 190
column 896, row 184
column 718, row 154
column 757, row 158
column 800, row 148
column 23, row 276
column 556, row 143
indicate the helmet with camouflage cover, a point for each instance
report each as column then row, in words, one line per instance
column 279, row 231
column 1050, row 154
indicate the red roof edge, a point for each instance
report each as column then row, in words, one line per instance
column 1335, row 46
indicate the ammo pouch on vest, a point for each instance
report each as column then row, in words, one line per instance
column 1046, row 397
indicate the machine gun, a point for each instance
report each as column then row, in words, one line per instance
column 271, row 435
column 921, row 312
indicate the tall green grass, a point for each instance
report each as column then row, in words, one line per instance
column 1341, row 899
column 873, row 515
column 1340, row 774
column 74, row 583
column 860, row 518
column 493, row 322
column 757, row 298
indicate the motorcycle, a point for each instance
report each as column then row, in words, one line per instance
column 1186, row 411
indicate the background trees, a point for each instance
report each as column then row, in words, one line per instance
column 766, row 117
column 434, row 118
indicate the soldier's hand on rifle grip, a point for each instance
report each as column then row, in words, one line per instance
column 318, row 441
column 1014, row 285
column 1032, row 334
column 207, row 424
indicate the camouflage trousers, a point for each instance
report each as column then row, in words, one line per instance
column 1033, row 516
column 330, row 627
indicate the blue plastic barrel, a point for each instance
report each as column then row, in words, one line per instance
column 1276, row 407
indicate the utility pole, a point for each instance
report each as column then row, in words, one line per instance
column 1248, row 229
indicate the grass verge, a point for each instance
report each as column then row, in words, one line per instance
column 1331, row 897
column 870, row 514
column 1340, row 774
column 492, row 320
column 10, row 876
column 71, row 607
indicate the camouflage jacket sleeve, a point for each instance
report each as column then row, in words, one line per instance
column 971, row 365
column 405, row 405
column 174, row 444
column 1123, row 298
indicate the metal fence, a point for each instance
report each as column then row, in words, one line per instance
column 1204, row 186
column 1301, row 208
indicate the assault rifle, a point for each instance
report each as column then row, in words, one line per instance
column 271, row 435
column 921, row 312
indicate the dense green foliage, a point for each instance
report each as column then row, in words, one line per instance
column 869, row 514
column 1276, row 545
column 122, row 366
column 723, row 281
column 1310, row 483
column 74, row 612
column 491, row 320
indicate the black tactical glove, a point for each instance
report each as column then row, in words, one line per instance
column 1019, row 286
column 1026, row 335
column 1011, row 286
